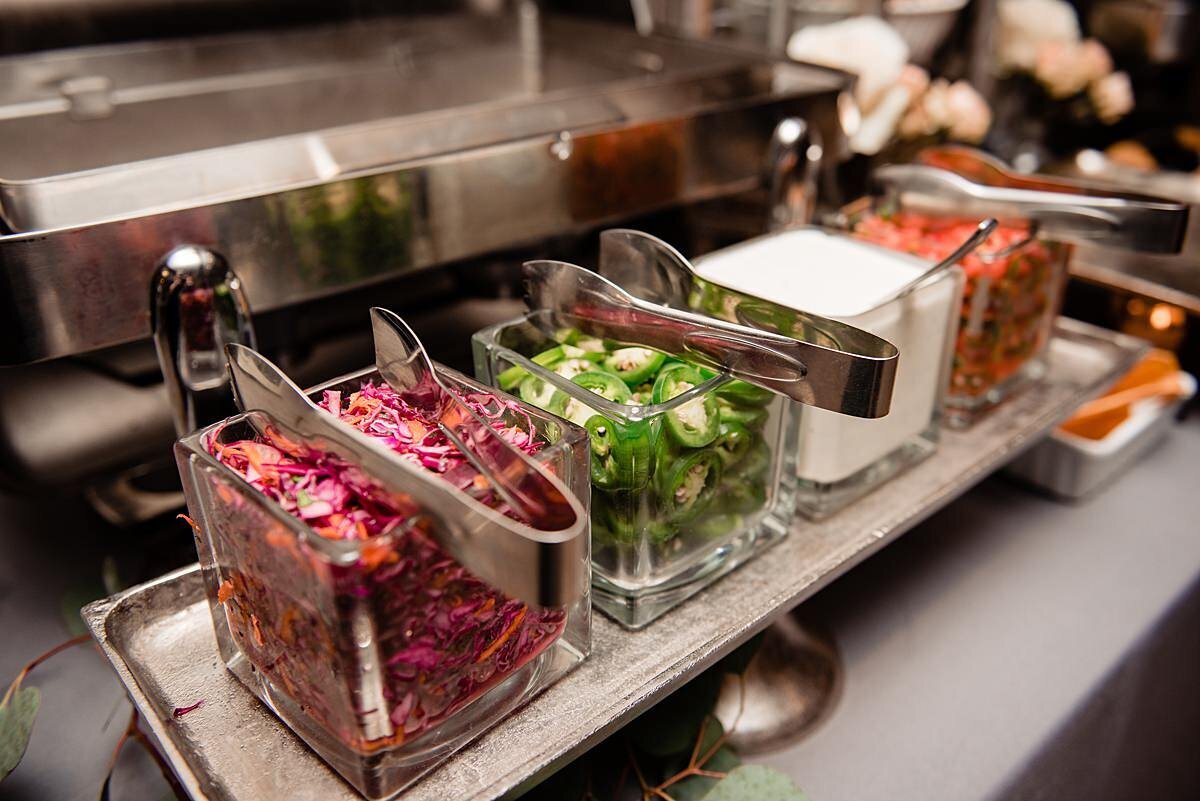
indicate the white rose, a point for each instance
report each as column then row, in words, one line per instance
column 936, row 105
column 1096, row 61
column 1060, row 67
column 876, row 128
column 867, row 47
column 970, row 116
column 1026, row 24
column 1112, row 96
column 915, row 123
column 914, row 79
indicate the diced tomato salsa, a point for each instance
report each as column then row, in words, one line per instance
column 1010, row 296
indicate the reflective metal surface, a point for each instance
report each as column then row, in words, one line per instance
column 793, row 166
column 1169, row 278
column 790, row 686
column 649, row 122
column 404, row 365
column 159, row 636
column 197, row 307
column 846, row 369
column 544, row 562
column 599, row 307
column 1063, row 210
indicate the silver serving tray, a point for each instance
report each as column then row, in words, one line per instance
column 159, row 636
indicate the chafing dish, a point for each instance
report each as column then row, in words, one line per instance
column 316, row 163
column 435, row 141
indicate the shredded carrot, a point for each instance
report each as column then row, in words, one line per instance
column 491, row 649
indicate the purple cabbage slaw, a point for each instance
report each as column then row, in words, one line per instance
column 443, row 636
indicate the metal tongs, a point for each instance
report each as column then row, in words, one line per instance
column 813, row 360
column 966, row 182
column 542, row 559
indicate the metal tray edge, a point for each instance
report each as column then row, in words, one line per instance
column 95, row 617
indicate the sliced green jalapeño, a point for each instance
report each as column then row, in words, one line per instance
column 634, row 365
column 602, row 384
column 733, row 442
column 536, row 391
column 621, row 454
column 695, row 423
column 687, row 485
column 753, row 418
column 743, row 393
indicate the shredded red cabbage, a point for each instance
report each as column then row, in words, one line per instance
column 180, row 711
column 443, row 636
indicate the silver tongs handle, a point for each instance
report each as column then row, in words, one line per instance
column 770, row 356
column 848, row 370
column 601, row 308
column 197, row 306
column 405, row 366
column 1087, row 215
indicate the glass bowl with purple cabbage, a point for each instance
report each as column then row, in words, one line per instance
column 334, row 603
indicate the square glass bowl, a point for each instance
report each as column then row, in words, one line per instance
column 650, row 549
column 384, row 655
column 840, row 458
column 1011, row 297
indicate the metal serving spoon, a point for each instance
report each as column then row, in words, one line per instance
column 541, row 566
column 405, row 366
column 849, row 370
column 977, row 238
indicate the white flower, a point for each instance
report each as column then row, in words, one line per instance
column 936, row 102
column 878, row 127
column 969, row 115
column 867, row 47
column 915, row 79
column 955, row 108
column 1096, row 61
column 1061, row 68
column 1026, row 24
column 1112, row 96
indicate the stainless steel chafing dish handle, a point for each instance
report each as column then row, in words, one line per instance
column 540, row 566
column 197, row 307
column 1062, row 210
column 793, row 166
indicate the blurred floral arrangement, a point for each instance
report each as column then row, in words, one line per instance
column 1041, row 39
column 897, row 100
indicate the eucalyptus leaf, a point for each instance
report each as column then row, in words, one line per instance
column 73, row 600
column 671, row 727
column 16, row 725
column 713, row 731
column 755, row 783
column 695, row 788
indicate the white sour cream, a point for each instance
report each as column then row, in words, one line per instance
column 835, row 276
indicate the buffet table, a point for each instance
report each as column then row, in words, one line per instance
column 1008, row 645
column 1015, row 647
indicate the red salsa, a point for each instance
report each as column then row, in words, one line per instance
column 1010, row 296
